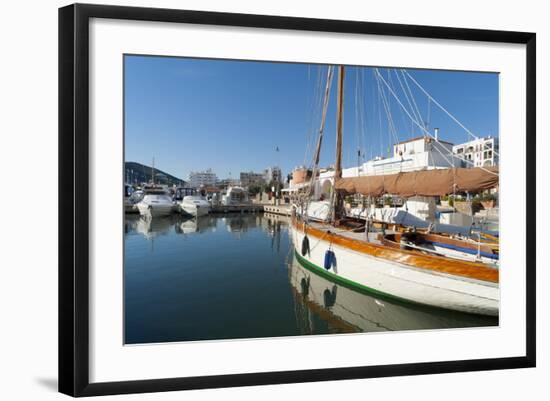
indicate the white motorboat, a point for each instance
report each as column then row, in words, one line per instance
column 156, row 202
column 235, row 196
column 131, row 199
column 194, row 205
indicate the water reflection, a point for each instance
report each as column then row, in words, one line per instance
column 233, row 223
column 149, row 227
column 234, row 276
column 346, row 310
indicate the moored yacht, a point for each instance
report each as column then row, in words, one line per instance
column 235, row 196
column 189, row 202
column 194, row 205
column 156, row 201
column 131, row 199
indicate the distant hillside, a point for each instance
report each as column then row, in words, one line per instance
column 137, row 173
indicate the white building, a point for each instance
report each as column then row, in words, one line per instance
column 414, row 154
column 423, row 153
column 249, row 178
column 273, row 174
column 202, row 178
column 481, row 152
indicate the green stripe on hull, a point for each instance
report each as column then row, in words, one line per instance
column 349, row 283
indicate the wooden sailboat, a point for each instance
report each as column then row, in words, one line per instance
column 368, row 262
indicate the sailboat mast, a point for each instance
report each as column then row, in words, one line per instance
column 153, row 172
column 321, row 130
column 323, row 116
column 339, row 122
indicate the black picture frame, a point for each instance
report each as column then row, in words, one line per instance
column 74, row 203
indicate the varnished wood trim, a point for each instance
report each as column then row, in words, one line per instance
column 484, row 247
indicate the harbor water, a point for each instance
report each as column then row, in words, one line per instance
column 235, row 276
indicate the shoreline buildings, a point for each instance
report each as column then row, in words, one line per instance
column 273, row 174
column 205, row 178
column 249, row 178
column 270, row 175
column 418, row 153
column 228, row 182
column 481, row 152
column 409, row 155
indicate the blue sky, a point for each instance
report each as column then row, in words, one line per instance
column 194, row 114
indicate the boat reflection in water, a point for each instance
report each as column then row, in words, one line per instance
column 194, row 225
column 348, row 311
column 233, row 276
column 149, row 227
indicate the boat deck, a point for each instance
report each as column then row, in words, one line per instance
column 351, row 234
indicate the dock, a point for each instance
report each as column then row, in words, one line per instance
column 278, row 209
column 283, row 210
column 251, row 208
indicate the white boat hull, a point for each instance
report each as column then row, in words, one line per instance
column 130, row 208
column 154, row 210
column 193, row 210
column 395, row 280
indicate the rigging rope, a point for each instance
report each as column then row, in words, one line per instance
column 394, row 88
column 417, row 117
column 443, row 108
column 382, row 95
column 315, row 106
column 415, row 105
column 360, row 118
column 421, row 127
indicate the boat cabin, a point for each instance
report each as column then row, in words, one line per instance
column 182, row 192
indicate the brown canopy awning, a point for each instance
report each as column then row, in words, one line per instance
column 436, row 182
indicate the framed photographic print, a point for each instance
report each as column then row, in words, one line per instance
column 250, row 199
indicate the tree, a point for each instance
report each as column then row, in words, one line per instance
column 255, row 188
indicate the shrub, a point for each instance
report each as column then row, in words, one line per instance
column 488, row 197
